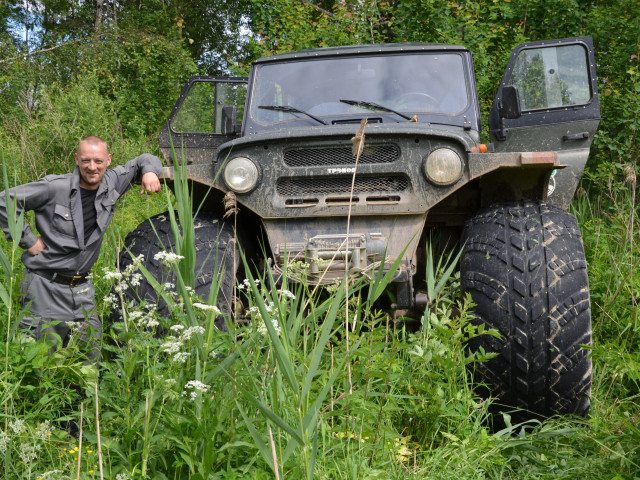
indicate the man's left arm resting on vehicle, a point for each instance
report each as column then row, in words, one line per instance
column 150, row 182
column 147, row 167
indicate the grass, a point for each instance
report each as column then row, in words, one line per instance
column 274, row 398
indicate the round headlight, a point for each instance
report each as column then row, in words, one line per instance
column 241, row 174
column 443, row 166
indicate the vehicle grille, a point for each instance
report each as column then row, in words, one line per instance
column 338, row 185
column 309, row 157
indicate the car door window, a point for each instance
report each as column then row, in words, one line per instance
column 552, row 77
column 201, row 110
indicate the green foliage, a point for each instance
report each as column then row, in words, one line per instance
column 609, row 222
column 45, row 141
column 365, row 400
column 608, row 215
column 141, row 74
column 618, row 137
column 284, row 26
column 386, row 403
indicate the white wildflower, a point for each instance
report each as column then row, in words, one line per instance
column 208, row 308
column 168, row 286
column 287, row 293
column 176, row 328
column 83, row 291
column 135, row 265
column 145, row 320
column 122, row 476
column 168, row 258
column 213, row 354
column 262, row 328
column 17, row 426
column 29, row 453
column 269, row 307
column 171, row 347
column 170, row 382
column 193, row 388
column 189, row 332
column 247, row 284
column 135, row 279
column 148, row 321
column 121, row 286
column 197, row 385
column 4, row 441
column 53, row 474
column 74, row 327
column 111, row 275
column 110, row 300
column 44, row 430
column 181, row 357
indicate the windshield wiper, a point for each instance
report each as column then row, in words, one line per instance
column 375, row 106
column 286, row 108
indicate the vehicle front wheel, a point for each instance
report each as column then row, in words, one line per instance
column 524, row 265
column 216, row 256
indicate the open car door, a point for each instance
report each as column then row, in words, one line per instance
column 548, row 101
column 204, row 117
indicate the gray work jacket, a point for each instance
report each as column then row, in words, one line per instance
column 57, row 204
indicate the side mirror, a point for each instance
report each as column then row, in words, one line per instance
column 510, row 102
column 229, row 118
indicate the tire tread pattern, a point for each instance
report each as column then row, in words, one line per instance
column 524, row 265
column 216, row 254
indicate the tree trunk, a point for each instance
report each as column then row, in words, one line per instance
column 99, row 4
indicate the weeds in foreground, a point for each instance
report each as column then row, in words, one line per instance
column 272, row 396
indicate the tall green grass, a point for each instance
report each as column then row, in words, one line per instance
column 273, row 396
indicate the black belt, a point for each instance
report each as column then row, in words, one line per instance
column 69, row 280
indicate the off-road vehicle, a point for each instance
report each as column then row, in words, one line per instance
column 305, row 198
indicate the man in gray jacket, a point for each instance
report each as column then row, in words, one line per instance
column 72, row 213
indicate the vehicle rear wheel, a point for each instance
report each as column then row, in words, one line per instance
column 216, row 254
column 524, row 265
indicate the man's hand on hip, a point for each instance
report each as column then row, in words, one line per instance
column 150, row 183
column 37, row 247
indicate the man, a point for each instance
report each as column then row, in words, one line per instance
column 72, row 213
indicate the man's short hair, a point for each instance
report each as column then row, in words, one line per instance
column 95, row 140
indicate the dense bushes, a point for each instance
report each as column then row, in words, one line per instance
column 400, row 406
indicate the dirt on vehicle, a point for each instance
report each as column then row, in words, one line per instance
column 281, row 144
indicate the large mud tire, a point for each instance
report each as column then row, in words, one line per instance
column 216, row 255
column 524, row 266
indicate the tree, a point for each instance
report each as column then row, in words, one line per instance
column 139, row 53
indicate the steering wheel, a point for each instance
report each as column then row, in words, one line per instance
column 417, row 99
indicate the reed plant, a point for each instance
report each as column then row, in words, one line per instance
column 272, row 396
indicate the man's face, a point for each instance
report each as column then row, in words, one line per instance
column 93, row 161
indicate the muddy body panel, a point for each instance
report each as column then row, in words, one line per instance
column 293, row 173
column 316, row 176
column 321, row 252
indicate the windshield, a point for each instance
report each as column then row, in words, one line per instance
column 335, row 90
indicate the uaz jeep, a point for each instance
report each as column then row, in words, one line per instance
column 289, row 173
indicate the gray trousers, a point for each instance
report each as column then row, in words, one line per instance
column 61, row 315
